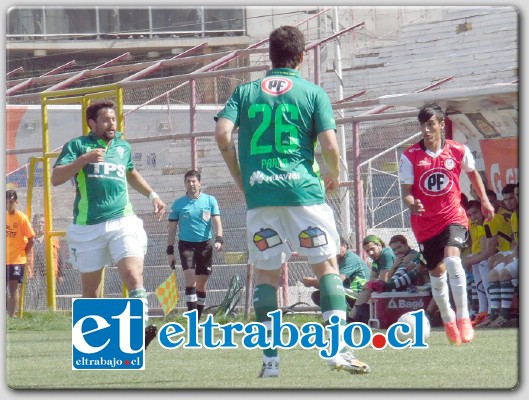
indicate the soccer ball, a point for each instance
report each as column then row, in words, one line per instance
column 410, row 319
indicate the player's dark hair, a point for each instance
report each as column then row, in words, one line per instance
column 93, row 109
column 193, row 173
column 508, row 188
column 286, row 47
column 491, row 194
column 344, row 242
column 473, row 204
column 373, row 238
column 464, row 200
column 400, row 239
column 428, row 111
column 11, row 195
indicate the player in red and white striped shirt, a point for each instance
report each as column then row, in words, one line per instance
column 429, row 175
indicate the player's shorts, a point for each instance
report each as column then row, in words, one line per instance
column 454, row 235
column 93, row 247
column 15, row 272
column 197, row 256
column 275, row 232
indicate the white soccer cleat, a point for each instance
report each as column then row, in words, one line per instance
column 270, row 368
column 348, row 362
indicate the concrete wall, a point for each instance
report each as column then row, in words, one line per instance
column 429, row 49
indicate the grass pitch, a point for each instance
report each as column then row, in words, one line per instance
column 39, row 350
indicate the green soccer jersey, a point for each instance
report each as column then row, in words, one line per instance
column 101, row 188
column 355, row 269
column 279, row 118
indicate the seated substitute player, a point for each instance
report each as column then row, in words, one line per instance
column 502, row 225
column 481, row 249
column 354, row 273
column 499, row 230
column 104, row 227
column 408, row 268
column 382, row 259
column 503, row 277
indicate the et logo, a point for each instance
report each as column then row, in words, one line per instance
column 108, row 334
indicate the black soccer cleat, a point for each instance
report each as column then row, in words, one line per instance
column 150, row 334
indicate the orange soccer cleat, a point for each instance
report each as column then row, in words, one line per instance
column 466, row 331
column 479, row 318
column 452, row 333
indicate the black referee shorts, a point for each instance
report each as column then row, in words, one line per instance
column 197, row 256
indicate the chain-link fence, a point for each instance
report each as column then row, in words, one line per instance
column 169, row 122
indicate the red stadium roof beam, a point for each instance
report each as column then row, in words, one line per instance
column 227, row 58
column 160, row 64
column 349, row 98
column 381, row 109
column 16, row 71
column 81, row 75
column 31, row 81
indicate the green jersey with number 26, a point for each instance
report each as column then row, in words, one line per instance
column 279, row 118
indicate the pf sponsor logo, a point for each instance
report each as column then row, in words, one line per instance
column 108, row 334
column 276, row 85
column 435, row 182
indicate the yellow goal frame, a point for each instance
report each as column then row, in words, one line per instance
column 84, row 97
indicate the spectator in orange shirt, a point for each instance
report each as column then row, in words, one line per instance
column 20, row 238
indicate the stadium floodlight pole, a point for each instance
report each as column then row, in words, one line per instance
column 345, row 214
column 316, row 46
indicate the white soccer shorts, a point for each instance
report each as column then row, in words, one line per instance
column 93, row 247
column 274, row 232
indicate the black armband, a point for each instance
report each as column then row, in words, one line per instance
column 218, row 239
column 170, row 250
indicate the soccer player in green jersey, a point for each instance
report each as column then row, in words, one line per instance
column 281, row 117
column 104, row 227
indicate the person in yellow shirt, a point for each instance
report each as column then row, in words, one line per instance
column 503, row 276
column 499, row 228
column 481, row 249
column 20, row 238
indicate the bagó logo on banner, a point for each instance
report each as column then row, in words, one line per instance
column 108, row 334
column 403, row 303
